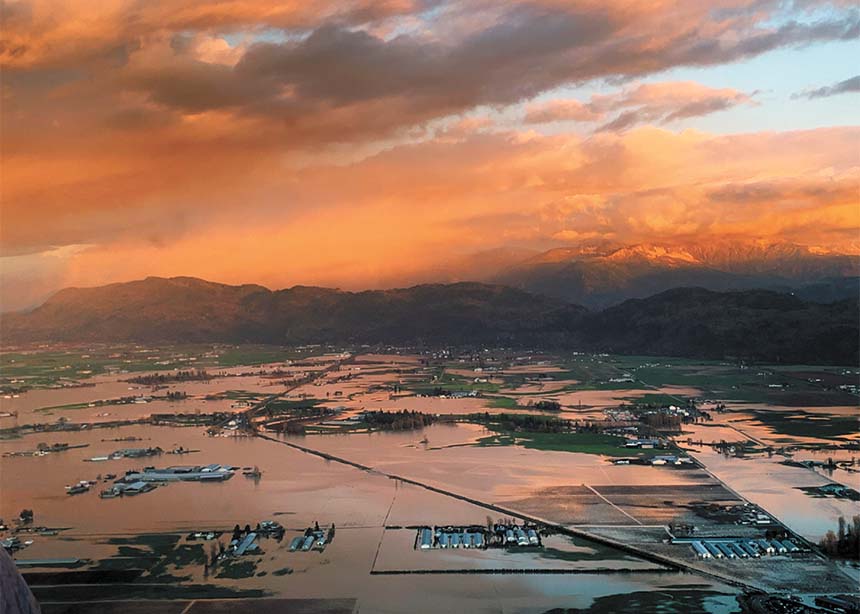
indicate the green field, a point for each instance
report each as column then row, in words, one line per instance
column 583, row 443
column 449, row 382
column 288, row 405
column 805, row 424
column 69, row 407
column 731, row 382
column 656, row 399
column 504, row 403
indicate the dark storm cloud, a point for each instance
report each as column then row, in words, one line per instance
column 527, row 51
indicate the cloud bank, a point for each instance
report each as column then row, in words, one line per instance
column 350, row 143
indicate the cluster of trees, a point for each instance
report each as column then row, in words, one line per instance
column 731, row 448
column 196, row 418
column 533, row 424
column 276, row 372
column 589, row 427
column 775, row 533
column 548, row 405
column 158, row 379
column 297, row 411
column 9, row 389
column 239, row 532
column 845, row 543
column 177, row 395
column 662, row 421
column 403, row 420
column 293, row 427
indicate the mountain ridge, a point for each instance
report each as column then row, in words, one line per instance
column 190, row 309
column 602, row 274
column 757, row 325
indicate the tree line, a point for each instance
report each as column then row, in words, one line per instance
column 403, row 420
column 845, row 542
column 157, row 379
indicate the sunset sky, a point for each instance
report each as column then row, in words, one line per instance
column 359, row 144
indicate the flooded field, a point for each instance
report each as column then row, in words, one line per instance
column 296, row 490
column 776, row 486
column 609, row 521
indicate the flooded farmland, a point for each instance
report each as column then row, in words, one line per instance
column 302, row 450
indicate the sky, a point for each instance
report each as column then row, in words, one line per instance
column 366, row 144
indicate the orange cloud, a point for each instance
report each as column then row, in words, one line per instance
column 48, row 33
column 393, row 215
column 348, row 142
column 561, row 110
column 650, row 102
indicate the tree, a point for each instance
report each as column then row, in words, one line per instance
column 845, row 543
column 829, row 543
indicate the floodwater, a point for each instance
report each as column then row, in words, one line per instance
column 774, row 486
column 298, row 489
column 447, row 460
column 31, row 406
column 450, row 459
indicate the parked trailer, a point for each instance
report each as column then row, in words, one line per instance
column 715, row 552
column 296, row 543
column 727, row 552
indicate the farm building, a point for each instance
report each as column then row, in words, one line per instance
column 426, row 539
column 700, row 550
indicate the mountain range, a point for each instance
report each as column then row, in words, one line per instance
column 695, row 322
column 601, row 274
column 187, row 309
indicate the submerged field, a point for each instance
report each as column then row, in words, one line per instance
column 465, row 467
